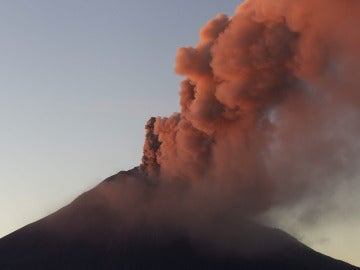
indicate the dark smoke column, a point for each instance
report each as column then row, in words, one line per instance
column 149, row 165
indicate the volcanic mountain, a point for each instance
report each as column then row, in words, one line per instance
column 87, row 234
column 269, row 119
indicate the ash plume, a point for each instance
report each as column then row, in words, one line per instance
column 269, row 108
column 268, row 129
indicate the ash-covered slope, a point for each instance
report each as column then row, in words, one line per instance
column 88, row 234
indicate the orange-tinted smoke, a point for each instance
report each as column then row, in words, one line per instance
column 269, row 107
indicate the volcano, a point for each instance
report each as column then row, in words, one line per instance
column 269, row 118
column 87, row 234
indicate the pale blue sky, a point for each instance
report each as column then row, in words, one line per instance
column 78, row 80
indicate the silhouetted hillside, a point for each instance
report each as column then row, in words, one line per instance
column 85, row 235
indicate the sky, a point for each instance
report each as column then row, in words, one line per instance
column 78, row 81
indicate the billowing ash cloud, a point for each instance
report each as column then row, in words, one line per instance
column 270, row 107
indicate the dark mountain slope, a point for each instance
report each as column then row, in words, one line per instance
column 84, row 235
